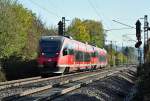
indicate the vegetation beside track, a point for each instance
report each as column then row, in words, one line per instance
column 143, row 88
column 143, row 73
column 2, row 77
column 20, row 30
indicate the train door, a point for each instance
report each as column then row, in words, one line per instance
column 77, row 56
column 74, row 55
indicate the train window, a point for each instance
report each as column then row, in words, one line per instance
column 50, row 45
column 77, row 56
column 102, row 58
column 87, row 57
column 94, row 54
column 71, row 51
column 65, row 51
column 82, row 56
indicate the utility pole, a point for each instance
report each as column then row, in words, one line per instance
column 112, row 58
column 122, row 55
column 64, row 24
column 146, row 28
column 139, row 56
column 61, row 27
column 111, row 53
column 138, row 35
column 116, row 53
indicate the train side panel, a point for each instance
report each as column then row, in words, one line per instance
column 58, row 54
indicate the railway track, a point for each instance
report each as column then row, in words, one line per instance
column 8, row 84
column 49, row 88
column 17, row 86
column 15, row 83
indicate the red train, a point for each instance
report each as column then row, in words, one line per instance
column 59, row 54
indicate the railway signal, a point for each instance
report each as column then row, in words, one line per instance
column 138, row 34
column 138, row 44
column 60, row 28
column 138, row 30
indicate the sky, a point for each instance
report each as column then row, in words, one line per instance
column 124, row 11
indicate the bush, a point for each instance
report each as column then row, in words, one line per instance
column 2, row 77
column 20, row 31
column 14, row 68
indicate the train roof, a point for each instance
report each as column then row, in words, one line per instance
column 52, row 37
column 62, row 38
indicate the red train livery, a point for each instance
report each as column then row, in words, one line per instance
column 59, row 54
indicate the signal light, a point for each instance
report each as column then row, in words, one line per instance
column 60, row 28
column 138, row 30
column 138, row 44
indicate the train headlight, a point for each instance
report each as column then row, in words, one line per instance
column 42, row 53
column 57, row 53
column 49, row 60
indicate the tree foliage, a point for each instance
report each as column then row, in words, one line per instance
column 20, row 30
column 96, row 32
column 115, row 57
column 130, row 53
column 87, row 31
column 78, row 30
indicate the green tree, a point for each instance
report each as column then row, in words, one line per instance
column 11, row 29
column 130, row 53
column 87, row 30
column 96, row 32
column 20, row 31
column 79, row 31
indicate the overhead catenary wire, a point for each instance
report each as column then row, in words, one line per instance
column 94, row 8
column 98, row 14
column 107, row 29
column 123, row 24
column 45, row 9
column 124, row 28
column 56, row 7
column 106, row 20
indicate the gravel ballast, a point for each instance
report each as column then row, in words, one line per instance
column 113, row 88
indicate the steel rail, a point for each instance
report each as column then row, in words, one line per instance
column 15, row 83
column 44, row 88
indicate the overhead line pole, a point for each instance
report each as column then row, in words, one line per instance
column 63, row 21
column 146, row 28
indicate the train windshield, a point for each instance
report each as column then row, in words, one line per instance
column 50, row 48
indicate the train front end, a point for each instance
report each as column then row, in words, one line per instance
column 49, row 51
